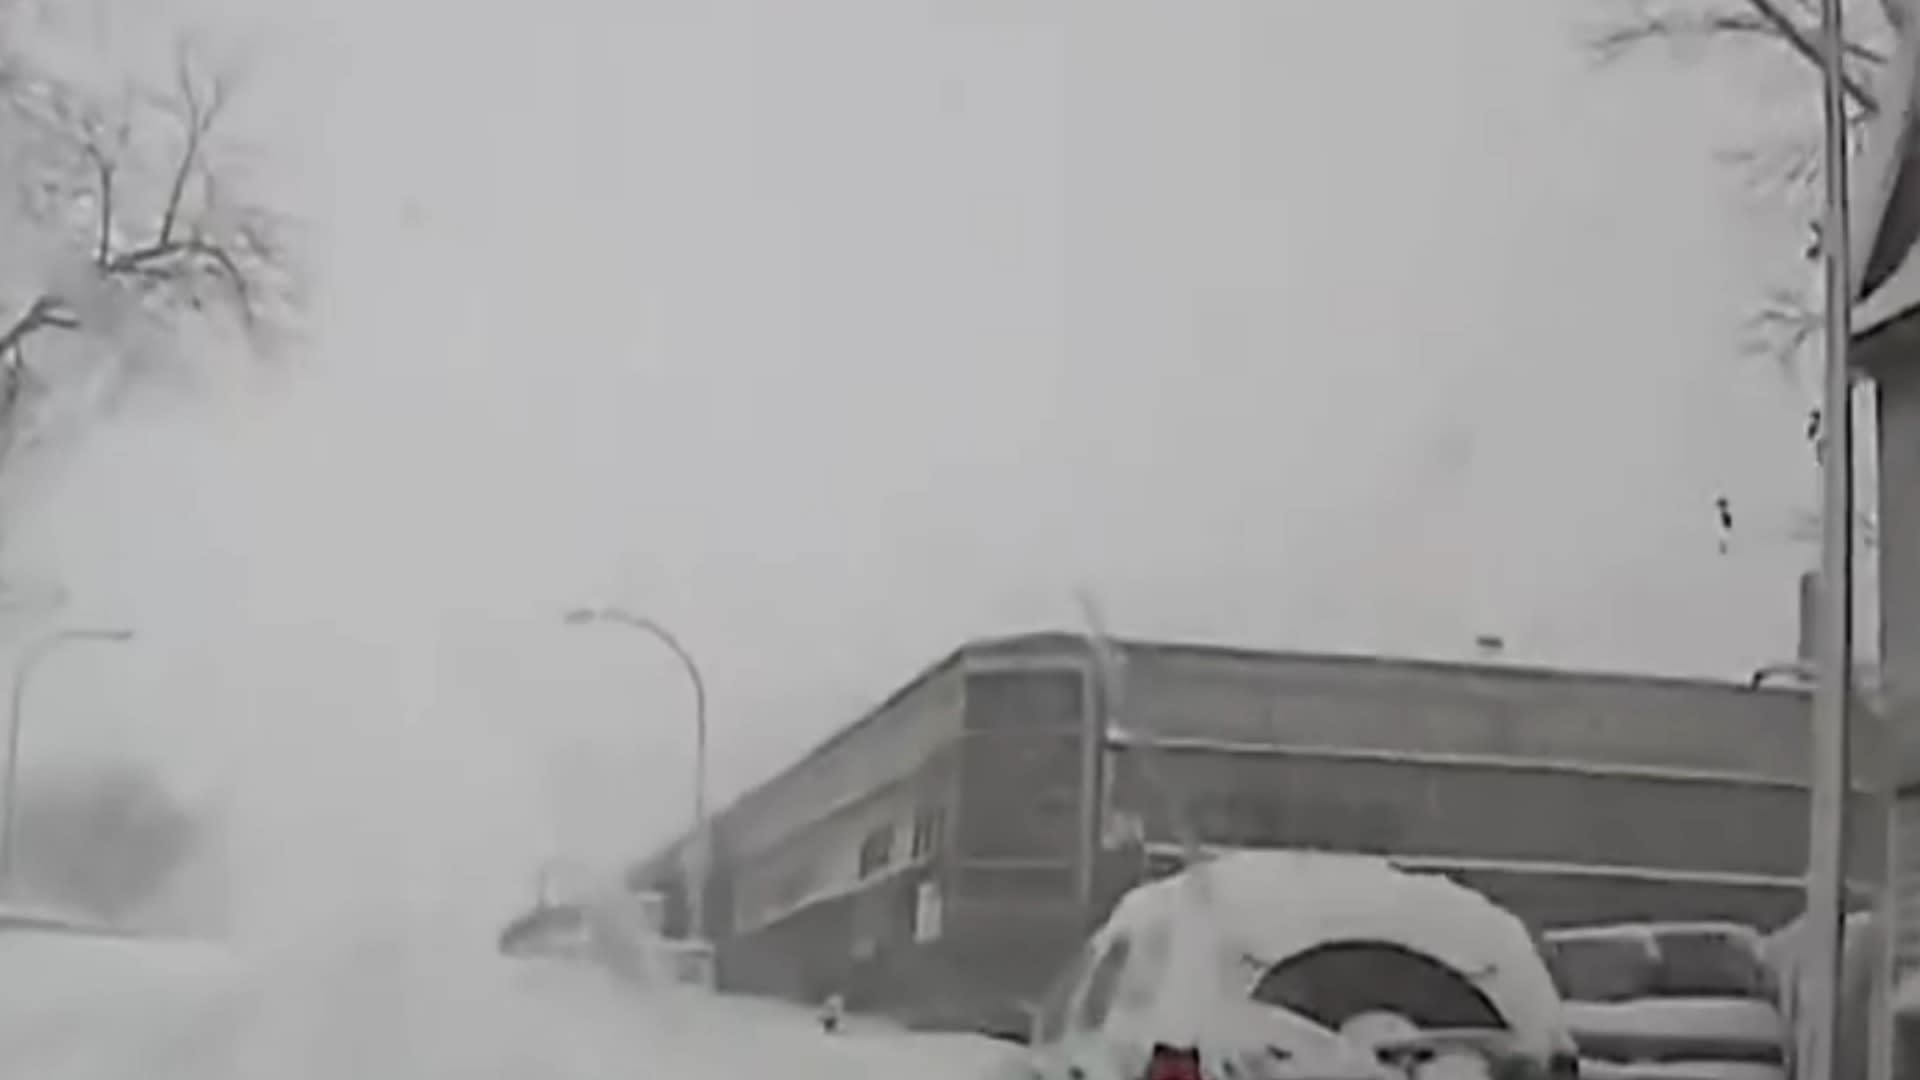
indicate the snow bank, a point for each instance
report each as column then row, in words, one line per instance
column 78, row 1005
column 402, row 1004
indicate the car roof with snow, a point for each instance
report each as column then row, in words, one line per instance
column 1655, row 929
column 1275, row 909
column 1282, row 902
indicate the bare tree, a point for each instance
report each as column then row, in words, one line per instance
column 1784, row 323
column 131, row 232
column 106, row 840
column 1787, row 27
column 1767, row 31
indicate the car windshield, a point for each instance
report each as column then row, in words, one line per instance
column 725, row 539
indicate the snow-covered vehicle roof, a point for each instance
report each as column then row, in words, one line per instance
column 1625, row 961
column 1323, row 961
column 1276, row 905
column 1656, row 930
column 547, row 928
column 1288, row 901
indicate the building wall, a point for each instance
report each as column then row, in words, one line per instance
column 1898, row 389
column 889, row 746
column 1415, row 707
column 875, row 837
column 1898, row 398
column 1020, row 870
column 1391, row 756
column 794, row 842
column 1486, row 808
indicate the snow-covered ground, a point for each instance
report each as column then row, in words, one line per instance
column 398, row 1007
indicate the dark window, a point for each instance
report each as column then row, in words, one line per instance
column 1019, row 794
column 876, row 851
column 1331, row 984
column 1029, row 701
column 928, row 825
column 1103, row 985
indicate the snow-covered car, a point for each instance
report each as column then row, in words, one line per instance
column 1670, row 1000
column 551, row 930
column 1263, row 964
column 616, row 930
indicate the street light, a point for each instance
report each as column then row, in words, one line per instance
column 696, row 905
column 23, row 672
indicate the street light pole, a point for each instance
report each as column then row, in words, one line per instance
column 698, row 887
column 23, row 672
column 1821, row 1054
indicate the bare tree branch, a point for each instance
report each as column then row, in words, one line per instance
column 1762, row 21
column 105, row 169
column 200, row 111
column 45, row 313
column 1802, row 41
column 128, row 216
column 1782, row 328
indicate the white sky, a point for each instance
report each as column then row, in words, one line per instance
column 835, row 333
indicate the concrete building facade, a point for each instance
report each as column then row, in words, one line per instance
column 945, row 853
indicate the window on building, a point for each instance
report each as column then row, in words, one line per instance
column 928, row 825
column 876, row 851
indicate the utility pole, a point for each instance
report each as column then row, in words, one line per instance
column 1819, row 1051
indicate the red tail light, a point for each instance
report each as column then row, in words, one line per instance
column 1173, row 1063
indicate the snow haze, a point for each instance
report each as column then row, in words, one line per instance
column 833, row 334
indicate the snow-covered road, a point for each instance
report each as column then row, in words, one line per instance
column 74, row 1008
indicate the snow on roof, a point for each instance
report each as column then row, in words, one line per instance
column 1273, row 905
column 1898, row 295
column 1718, row 927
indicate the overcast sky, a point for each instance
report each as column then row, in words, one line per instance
column 833, row 334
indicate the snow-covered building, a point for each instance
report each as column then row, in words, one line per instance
column 949, row 848
column 1886, row 350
